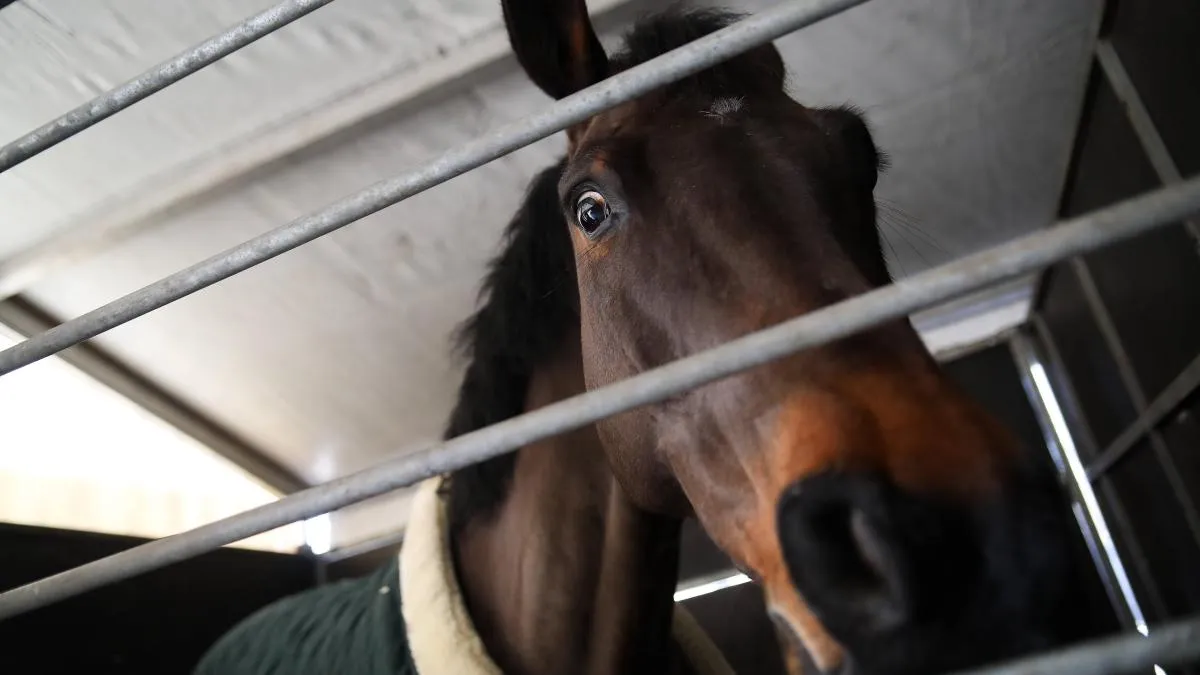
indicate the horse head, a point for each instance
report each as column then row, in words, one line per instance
column 894, row 525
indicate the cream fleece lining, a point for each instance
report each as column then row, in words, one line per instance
column 441, row 637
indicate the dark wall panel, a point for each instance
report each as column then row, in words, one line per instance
column 698, row 555
column 1158, row 41
column 1172, row 555
column 1151, row 287
column 1148, row 286
column 1109, row 164
column 737, row 621
column 1181, row 433
column 1101, row 397
column 1150, row 283
column 159, row 623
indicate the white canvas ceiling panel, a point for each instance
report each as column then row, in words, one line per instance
column 57, row 55
column 974, row 102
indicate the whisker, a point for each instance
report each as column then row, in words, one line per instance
column 923, row 236
column 901, row 232
column 900, row 235
column 916, row 249
column 888, row 217
column 895, row 258
column 900, row 218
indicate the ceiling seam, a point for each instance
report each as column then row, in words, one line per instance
column 26, row 318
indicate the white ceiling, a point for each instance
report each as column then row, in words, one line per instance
column 335, row 356
column 116, row 468
column 56, row 55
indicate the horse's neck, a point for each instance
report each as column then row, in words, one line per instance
column 568, row 576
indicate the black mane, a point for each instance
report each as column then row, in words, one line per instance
column 758, row 70
column 529, row 302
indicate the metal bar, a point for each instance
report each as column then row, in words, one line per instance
column 1112, row 505
column 1128, row 375
column 1088, row 514
column 891, row 302
column 1172, row 644
column 676, row 64
column 1171, row 397
column 709, row 583
column 155, row 80
column 368, row 546
column 25, row 318
column 1139, row 118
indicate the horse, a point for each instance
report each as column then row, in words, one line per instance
column 893, row 525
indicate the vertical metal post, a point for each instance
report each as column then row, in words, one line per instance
column 1086, row 507
column 1077, row 423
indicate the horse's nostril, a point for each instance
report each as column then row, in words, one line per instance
column 837, row 547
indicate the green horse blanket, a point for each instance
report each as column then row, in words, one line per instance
column 406, row 618
column 352, row 627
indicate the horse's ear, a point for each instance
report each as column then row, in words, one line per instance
column 555, row 43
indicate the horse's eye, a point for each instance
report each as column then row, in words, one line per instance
column 591, row 212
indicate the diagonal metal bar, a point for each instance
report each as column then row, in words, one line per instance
column 1141, row 121
column 892, row 302
column 674, row 65
column 1169, row 645
column 1174, row 394
column 155, row 80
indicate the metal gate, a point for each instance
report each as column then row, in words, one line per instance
column 1142, row 649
